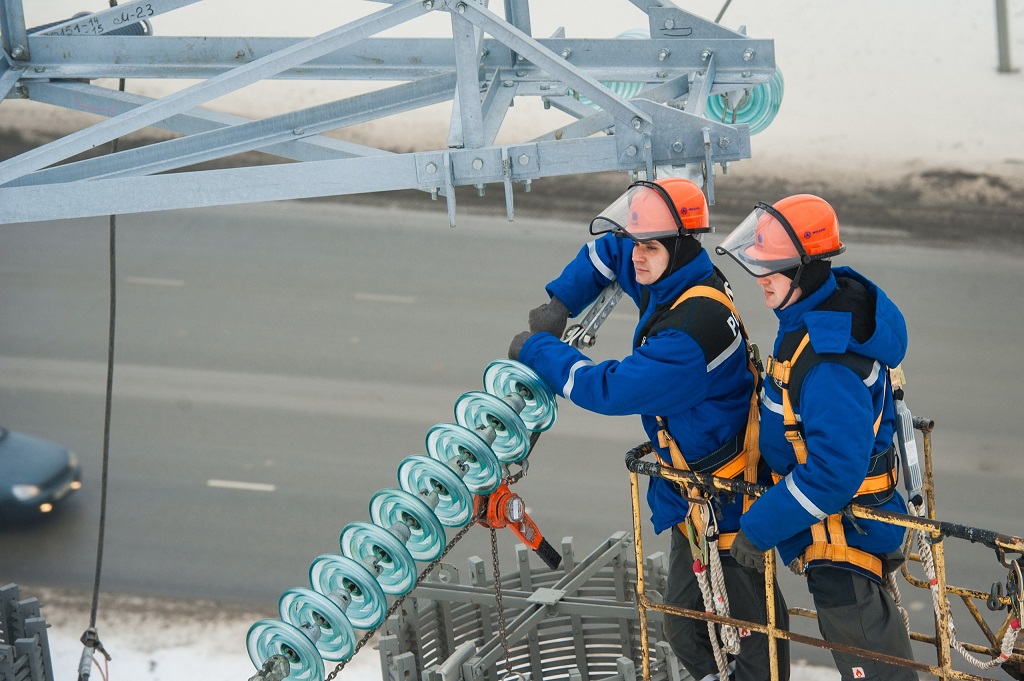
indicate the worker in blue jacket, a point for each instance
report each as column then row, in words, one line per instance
column 827, row 425
column 688, row 378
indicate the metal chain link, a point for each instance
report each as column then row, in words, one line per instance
column 419, row 579
column 498, row 602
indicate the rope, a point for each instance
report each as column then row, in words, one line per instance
column 730, row 637
column 701, row 572
column 716, row 598
column 894, row 590
column 1009, row 639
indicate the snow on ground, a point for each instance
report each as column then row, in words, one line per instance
column 153, row 639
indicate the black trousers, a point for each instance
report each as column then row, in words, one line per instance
column 689, row 637
column 856, row 611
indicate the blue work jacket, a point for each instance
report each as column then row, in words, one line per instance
column 837, row 409
column 705, row 402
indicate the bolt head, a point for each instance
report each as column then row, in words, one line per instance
column 523, row 159
column 748, row 55
column 431, row 168
column 705, row 55
column 460, row 8
column 631, row 150
column 670, row 23
column 723, row 142
column 677, row 147
column 638, row 123
column 478, row 163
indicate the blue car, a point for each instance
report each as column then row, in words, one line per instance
column 35, row 475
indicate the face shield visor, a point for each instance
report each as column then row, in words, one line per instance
column 764, row 243
column 643, row 213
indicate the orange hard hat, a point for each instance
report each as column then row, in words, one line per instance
column 662, row 209
column 785, row 235
column 814, row 223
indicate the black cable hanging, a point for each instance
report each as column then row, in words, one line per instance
column 90, row 638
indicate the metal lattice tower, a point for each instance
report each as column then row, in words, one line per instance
column 639, row 105
column 578, row 622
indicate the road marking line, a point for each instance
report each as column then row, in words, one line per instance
column 152, row 281
column 385, row 298
column 235, row 484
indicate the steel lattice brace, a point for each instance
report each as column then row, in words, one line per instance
column 577, row 622
column 487, row 62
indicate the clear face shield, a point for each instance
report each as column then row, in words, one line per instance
column 643, row 212
column 764, row 243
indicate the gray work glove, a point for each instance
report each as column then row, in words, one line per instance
column 746, row 554
column 551, row 317
column 517, row 344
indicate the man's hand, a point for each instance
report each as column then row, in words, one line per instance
column 517, row 344
column 746, row 553
column 551, row 317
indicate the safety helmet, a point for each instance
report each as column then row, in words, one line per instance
column 646, row 211
column 784, row 236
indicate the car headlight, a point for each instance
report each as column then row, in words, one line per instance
column 72, row 459
column 25, row 492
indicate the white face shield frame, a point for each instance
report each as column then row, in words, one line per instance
column 764, row 243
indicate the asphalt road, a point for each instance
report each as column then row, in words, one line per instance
column 275, row 363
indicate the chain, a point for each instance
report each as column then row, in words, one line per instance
column 497, row 600
column 419, row 579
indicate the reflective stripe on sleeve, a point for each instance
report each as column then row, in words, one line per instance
column 873, row 376
column 567, row 388
column 802, row 499
column 595, row 260
column 726, row 354
column 772, row 405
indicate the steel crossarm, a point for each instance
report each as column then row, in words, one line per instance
column 252, row 135
column 109, row 102
column 212, row 88
column 486, row 64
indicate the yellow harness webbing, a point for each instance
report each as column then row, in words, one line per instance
column 745, row 461
column 828, row 537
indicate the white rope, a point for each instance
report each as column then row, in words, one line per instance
column 1009, row 639
column 894, row 590
column 701, row 572
column 730, row 637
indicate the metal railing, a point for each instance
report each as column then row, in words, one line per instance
column 934, row 530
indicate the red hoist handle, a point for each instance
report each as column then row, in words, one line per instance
column 505, row 509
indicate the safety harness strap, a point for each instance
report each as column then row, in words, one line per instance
column 740, row 455
column 828, row 539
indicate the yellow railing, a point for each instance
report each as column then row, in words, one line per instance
column 936, row 530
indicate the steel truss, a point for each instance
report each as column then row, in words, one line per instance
column 579, row 622
column 487, row 63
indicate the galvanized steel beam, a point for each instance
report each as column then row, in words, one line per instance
column 488, row 62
